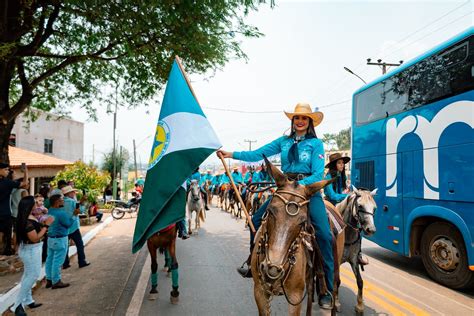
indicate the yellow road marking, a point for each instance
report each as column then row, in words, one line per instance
column 390, row 297
column 368, row 295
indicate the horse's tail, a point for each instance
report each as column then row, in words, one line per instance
column 202, row 215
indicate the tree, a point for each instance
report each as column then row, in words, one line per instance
column 85, row 178
column 123, row 157
column 55, row 53
column 342, row 139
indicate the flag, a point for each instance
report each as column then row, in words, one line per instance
column 184, row 138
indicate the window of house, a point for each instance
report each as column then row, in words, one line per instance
column 48, row 146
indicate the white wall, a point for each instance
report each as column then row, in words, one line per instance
column 67, row 136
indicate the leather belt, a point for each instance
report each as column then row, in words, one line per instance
column 297, row 176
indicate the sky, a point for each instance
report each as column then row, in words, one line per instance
column 300, row 59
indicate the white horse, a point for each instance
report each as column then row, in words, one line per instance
column 195, row 204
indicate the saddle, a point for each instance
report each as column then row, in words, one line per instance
column 164, row 230
column 335, row 219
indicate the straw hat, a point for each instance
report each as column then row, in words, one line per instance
column 304, row 109
column 333, row 158
column 67, row 189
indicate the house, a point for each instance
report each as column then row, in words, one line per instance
column 50, row 135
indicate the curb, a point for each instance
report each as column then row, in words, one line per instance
column 8, row 299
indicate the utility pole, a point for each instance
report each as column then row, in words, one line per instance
column 135, row 159
column 383, row 65
column 114, row 180
column 250, row 143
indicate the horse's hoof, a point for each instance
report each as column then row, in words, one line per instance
column 190, row 232
column 153, row 296
column 359, row 311
column 174, row 300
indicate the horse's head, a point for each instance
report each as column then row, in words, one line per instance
column 287, row 217
column 364, row 208
column 195, row 191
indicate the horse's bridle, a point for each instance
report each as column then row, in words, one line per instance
column 288, row 202
column 290, row 257
column 354, row 220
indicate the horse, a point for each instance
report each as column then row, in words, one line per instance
column 195, row 204
column 281, row 256
column 165, row 241
column 357, row 211
column 222, row 195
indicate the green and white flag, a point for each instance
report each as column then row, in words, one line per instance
column 184, row 139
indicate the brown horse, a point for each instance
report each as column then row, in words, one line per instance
column 165, row 241
column 281, row 256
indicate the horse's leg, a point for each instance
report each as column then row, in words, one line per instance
column 360, row 286
column 190, row 230
column 196, row 221
column 174, row 295
column 262, row 299
column 154, row 268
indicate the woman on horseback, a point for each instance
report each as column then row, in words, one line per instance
column 302, row 160
column 338, row 190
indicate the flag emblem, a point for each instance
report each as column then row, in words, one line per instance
column 160, row 143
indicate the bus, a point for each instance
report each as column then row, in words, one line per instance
column 413, row 139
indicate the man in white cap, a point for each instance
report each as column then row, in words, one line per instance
column 71, row 205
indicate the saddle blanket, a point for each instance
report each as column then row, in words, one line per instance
column 164, row 230
column 335, row 219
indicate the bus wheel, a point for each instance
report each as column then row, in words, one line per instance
column 444, row 256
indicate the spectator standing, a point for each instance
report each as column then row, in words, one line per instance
column 57, row 240
column 72, row 207
column 6, row 222
column 29, row 234
column 41, row 214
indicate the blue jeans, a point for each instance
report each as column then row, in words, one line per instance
column 81, row 256
column 31, row 257
column 57, row 248
column 319, row 219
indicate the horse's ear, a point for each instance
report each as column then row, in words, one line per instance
column 374, row 192
column 277, row 175
column 355, row 190
column 315, row 187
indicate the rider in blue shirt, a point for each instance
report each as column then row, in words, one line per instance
column 302, row 153
column 338, row 190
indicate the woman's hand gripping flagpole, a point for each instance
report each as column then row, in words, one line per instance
column 239, row 197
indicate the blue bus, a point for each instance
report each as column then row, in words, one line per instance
column 413, row 139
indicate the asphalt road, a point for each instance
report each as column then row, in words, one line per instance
column 117, row 282
column 210, row 285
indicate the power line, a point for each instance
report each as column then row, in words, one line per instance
column 429, row 24
column 426, row 35
column 338, row 83
column 271, row 112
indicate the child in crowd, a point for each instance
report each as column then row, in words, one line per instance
column 39, row 210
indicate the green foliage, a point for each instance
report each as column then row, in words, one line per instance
column 85, row 178
column 122, row 160
column 98, row 44
column 342, row 138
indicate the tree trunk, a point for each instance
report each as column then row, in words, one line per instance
column 5, row 131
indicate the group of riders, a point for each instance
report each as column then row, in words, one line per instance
column 302, row 160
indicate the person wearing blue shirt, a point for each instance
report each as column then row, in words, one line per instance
column 204, row 178
column 237, row 176
column 57, row 240
column 74, row 233
column 338, row 190
column 302, row 153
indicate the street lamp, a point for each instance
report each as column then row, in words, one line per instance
column 353, row 73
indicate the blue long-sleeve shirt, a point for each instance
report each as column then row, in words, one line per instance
column 253, row 175
column 216, row 180
column 311, row 157
column 224, row 179
column 69, row 207
column 334, row 196
column 237, row 177
column 62, row 221
column 205, row 177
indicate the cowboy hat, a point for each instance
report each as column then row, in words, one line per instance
column 304, row 109
column 333, row 158
column 67, row 189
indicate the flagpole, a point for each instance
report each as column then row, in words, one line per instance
column 237, row 193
